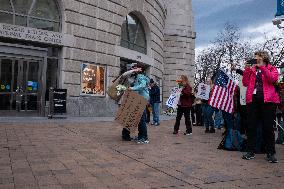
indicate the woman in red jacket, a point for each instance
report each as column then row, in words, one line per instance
column 261, row 100
column 184, row 105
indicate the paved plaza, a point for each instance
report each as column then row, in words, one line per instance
column 88, row 153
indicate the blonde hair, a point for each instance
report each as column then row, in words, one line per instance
column 184, row 78
column 264, row 55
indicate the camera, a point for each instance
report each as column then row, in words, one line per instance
column 252, row 61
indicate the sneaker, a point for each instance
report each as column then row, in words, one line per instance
column 206, row 130
column 271, row 158
column 152, row 123
column 248, row 156
column 175, row 132
column 157, row 124
column 143, row 141
column 187, row 133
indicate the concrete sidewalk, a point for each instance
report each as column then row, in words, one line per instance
column 87, row 154
column 66, row 119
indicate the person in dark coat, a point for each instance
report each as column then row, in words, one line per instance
column 184, row 106
column 154, row 93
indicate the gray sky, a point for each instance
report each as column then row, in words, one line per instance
column 253, row 17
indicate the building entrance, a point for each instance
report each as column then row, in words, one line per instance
column 22, row 72
column 20, row 85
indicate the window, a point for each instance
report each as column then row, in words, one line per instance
column 41, row 14
column 133, row 35
column 92, row 79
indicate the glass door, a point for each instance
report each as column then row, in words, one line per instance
column 20, row 85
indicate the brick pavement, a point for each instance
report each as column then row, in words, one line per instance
column 73, row 153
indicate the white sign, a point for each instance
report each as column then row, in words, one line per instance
column 33, row 34
column 243, row 91
column 174, row 97
column 203, row 91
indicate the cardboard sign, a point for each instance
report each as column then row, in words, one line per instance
column 174, row 97
column 131, row 110
column 203, row 91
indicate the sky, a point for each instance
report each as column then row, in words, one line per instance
column 253, row 17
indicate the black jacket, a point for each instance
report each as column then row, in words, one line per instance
column 154, row 93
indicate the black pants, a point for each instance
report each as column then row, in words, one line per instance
column 186, row 112
column 264, row 113
column 198, row 112
column 244, row 117
column 192, row 114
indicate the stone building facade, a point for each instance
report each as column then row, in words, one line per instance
column 83, row 45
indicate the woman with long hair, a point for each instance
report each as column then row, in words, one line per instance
column 184, row 106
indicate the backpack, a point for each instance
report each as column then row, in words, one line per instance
column 233, row 141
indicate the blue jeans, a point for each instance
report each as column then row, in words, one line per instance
column 218, row 120
column 155, row 111
column 228, row 119
column 207, row 112
column 142, row 127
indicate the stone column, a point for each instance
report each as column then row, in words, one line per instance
column 179, row 43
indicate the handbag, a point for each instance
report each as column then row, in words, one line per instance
column 112, row 91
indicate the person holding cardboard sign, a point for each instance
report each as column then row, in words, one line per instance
column 141, row 87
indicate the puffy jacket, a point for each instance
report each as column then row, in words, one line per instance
column 141, row 86
column 269, row 77
column 186, row 99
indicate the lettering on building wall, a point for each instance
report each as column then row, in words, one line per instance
column 30, row 34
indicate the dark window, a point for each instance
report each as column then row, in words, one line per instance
column 133, row 35
column 41, row 14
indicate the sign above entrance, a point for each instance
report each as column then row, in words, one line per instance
column 37, row 35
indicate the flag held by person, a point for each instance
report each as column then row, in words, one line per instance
column 222, row 94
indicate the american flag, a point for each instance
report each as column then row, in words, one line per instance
column 221, row 96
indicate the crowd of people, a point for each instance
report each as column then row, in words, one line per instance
column 255, row 96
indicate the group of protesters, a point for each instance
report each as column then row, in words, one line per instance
column 255, row 96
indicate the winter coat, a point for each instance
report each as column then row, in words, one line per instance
column 154, row 93
column 269, row 77
column 141, row 86
column 186, row 97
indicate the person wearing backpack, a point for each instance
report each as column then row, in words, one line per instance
column 261, row 98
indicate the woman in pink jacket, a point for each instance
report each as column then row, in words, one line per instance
column 261, row 98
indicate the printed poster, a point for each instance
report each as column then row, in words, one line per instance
column 174, row 97
column 203, row 91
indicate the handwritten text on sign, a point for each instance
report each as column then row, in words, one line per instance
column 131, row 110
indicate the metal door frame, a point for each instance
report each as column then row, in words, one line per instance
column 15, row 51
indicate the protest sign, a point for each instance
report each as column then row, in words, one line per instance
column 174, row 97
column 203, row 91
column 131, row 110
